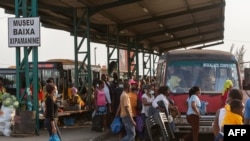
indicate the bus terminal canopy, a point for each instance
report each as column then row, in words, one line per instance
column 157, row 25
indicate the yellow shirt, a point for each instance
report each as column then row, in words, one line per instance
column 133, row 102
column 231, row 118
column 125, row 102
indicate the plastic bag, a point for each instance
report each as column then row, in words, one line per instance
column 54, row 137
column 116, row 125
column 8, row 114
column 203, row 108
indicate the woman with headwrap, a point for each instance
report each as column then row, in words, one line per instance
column 228, row 85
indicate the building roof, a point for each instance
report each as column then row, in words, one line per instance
column 157, row 25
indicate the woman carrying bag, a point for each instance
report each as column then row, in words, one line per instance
column 99, row 117
column 51, row 113
column 193, row 114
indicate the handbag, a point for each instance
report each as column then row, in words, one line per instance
column 116, row 125
column 101, row 110
column 54, row 137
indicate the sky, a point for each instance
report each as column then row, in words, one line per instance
column 60, row 44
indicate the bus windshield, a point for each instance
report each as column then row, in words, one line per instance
column 210, row 76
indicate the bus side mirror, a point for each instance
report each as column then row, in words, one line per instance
column 246, row 81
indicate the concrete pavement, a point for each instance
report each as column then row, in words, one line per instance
column 83, row 133
column 80, row 133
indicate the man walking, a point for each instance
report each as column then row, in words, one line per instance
column 126, row 114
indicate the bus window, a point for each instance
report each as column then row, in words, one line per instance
column 210, row 76
column 9, row 77
column 226, row 71
column 53, row 70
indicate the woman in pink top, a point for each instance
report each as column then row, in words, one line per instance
column 100, row 96
column 100, row 102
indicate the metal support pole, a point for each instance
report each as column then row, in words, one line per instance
column 24, row 8
column 118, row 54
column 76, row 49
column 88, row 55
column 150, row 66
column 95, row 54
column 137, row 60
column 129, row 61
column 143, row 61
column 108, row 58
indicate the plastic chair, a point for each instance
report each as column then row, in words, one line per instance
column 150, row 122
column 162, row 121
column 158, row 119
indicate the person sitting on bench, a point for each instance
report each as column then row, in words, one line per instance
column 75, row 101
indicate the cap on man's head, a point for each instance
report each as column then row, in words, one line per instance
column 132, row 82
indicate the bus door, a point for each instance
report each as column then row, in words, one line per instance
column 67, row 83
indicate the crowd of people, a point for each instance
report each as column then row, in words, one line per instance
column 135, row 100
column 232, row 112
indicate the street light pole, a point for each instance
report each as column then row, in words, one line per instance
column 95, row 55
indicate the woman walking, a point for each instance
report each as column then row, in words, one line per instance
column 101, row 108
column 193, row 114
column 51, row 111
column 147, row 99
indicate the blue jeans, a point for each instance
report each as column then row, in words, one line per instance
column 130, row 129
column 172, row 125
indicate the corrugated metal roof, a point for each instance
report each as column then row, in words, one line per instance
column 159, row 25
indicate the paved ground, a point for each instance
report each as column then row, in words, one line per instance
column 202, row 137
column 111, row 138
column 83, row 133
column 68, row 134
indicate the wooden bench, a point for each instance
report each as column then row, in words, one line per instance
column 78, row 117
column 65, row 113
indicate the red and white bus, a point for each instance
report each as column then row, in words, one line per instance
column 208, row 69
